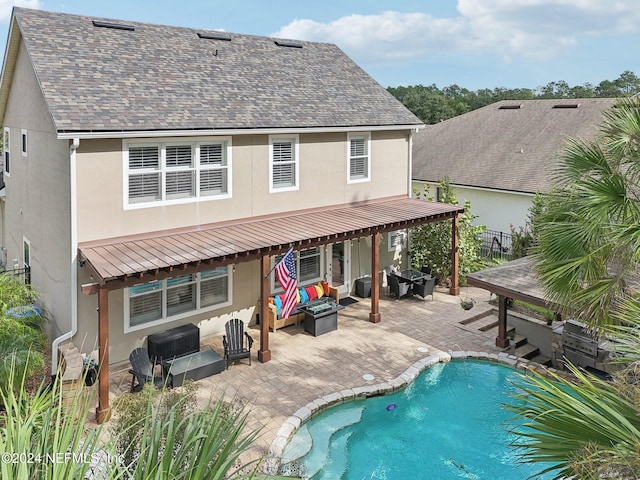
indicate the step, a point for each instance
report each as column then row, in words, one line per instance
column 517, row 340
column 318, row 435
column 527, row 351
column 72, row 361
column 487, row 323
column 337, row 464
column 542, row 360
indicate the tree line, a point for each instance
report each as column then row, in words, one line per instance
column 432, row 105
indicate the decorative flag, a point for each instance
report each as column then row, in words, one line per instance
column 286, row 273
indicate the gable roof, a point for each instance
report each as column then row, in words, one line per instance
column 509, row 145
column 152, row 77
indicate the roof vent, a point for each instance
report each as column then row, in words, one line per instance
column 510, row 107
column 566, row 105
column 215, row 36
column 287, row 43
column 116, row 26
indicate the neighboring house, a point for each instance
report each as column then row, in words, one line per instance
column 155, row 173
column 499, row 156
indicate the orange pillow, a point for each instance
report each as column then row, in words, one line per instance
column 325, row 286
column 270, row 300
column 311, row 291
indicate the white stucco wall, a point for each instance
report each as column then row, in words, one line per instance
column 37, row 196
column 496, row 210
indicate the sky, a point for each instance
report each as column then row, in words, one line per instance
column 474, row 44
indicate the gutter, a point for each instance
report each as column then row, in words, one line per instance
column 63, row 135
column 74, row 260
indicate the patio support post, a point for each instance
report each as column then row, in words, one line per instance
column 502, row 340
column 374, row 316
column 454, row 289
column 103, row 411
column 264, row 354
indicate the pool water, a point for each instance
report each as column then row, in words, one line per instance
column 448, row 423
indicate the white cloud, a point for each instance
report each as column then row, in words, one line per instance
column 538, row 29
column 7, row 5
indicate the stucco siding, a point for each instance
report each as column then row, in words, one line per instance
column 495, row 210
column 102, row 212
column 37, row 196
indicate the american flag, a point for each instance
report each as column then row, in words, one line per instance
column 286, row 273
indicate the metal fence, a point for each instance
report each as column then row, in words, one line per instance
column 24, row 274
column 496, row 245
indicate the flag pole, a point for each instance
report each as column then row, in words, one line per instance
column 276, row 265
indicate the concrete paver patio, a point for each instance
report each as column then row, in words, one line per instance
column 304, row 368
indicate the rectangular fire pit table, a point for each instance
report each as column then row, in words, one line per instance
column 194, row 366
column 321, row 317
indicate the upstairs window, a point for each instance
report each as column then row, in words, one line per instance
column 359, row 164
column 177, row 172
column 283, row 164
column 6, row 144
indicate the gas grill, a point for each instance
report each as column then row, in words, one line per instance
column 584, row 349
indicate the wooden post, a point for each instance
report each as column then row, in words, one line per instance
column 502, row 340
column 454, row 289
column 103, row 412
column 264, row 354
column 374, row 316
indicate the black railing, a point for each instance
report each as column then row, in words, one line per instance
column 24, row 274
column 496, row 245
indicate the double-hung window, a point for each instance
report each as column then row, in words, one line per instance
column 283, row 163
column 177, row 172
column 167, row 300
column 359, row 165
column 308, row 267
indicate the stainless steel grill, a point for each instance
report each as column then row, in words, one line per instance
column 584, row 349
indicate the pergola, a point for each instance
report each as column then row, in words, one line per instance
column 515, row 279
column 122, row 262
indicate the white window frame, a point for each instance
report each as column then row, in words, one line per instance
column 165, row 317
column 6, row 151
column 367, row 141
column 23, row 142
column 396, row 239
column 295, row 162
column 163, row 169
column 26, row 248
column 275, row 285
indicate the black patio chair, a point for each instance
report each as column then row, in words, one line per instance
column 398, row 287
column 423, row 287
column 142, row 370
column 237, row 343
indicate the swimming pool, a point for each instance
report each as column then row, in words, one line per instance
column 447, row 424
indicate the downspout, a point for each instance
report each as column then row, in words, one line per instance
column 74, row 259
column 410, row 169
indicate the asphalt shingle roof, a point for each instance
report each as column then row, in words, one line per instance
column 159, row 77
column 510, row 149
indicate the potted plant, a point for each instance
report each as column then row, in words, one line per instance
column 467, row 303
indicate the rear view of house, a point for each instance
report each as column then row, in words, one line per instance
column 155, row 173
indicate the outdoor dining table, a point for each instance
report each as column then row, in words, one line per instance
column 411, row 276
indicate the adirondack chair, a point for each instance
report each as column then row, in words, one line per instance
column 237, row 343
column 141, row 370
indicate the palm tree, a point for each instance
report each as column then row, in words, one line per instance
column 587, row 259
column 588, row 250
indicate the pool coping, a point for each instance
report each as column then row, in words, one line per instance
column 272, row 460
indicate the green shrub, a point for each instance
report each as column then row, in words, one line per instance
column 22, row 338
column 431, row 243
